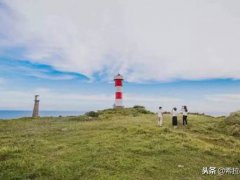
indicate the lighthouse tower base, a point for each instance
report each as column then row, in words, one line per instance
column 118, row 107
column 118, row 104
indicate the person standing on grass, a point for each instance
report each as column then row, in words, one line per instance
column 160, row 116
column 185, row 114
column 174, row 117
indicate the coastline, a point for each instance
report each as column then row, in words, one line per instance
column 15, row 114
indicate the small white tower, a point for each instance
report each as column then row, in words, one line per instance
column 36, row 107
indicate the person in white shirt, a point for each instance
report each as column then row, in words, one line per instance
column 160, row 116
column 185, row 114
column 174, row 117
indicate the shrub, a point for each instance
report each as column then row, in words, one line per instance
column 233, row 119
column 80, row 118
column 92, row 114
column 141, row 109
column 235, row 130
column 138, row 107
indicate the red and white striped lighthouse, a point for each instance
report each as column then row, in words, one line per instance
column 118, row 95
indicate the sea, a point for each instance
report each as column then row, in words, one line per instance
column 14, row 114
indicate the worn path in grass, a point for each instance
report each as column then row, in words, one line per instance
column 124, row 144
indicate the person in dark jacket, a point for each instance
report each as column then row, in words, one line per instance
column 174, row 117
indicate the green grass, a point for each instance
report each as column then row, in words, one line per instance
column 116, row 144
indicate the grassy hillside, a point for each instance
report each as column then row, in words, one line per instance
column 117, row 144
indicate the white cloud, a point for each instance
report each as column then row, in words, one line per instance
column 152, row 102
column 226, row 98
column 140, row 98
column 144, row 40
column 51, row 99
column 219, row 103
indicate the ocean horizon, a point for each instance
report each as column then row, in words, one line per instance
column 14, row 114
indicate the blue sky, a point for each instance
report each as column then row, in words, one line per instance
column 170, row 54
